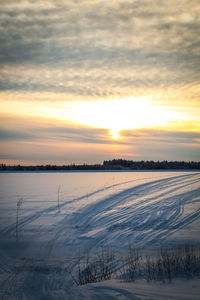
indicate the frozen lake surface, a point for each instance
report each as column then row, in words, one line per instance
column 63, row 214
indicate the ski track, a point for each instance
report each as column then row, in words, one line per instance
column 32, row 217
column 144, row 215
column 145, row 220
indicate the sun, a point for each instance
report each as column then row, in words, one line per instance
column 115, row 134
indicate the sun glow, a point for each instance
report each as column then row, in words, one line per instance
column 117, row 115
column 112, row 115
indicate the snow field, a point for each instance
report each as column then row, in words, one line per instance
column 96, row 210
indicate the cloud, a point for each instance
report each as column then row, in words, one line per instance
column 98, row 48
column 74, row 50
column 44, row 141
column 161, row 137
column 161, row 145
column 38, row 140
column 15, row 135
column 38, row 130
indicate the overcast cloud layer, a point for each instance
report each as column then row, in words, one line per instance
column 101, row 49
column 54, row 52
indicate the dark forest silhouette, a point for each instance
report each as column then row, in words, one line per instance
column 115, row 164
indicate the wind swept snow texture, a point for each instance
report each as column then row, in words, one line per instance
column 96, row 209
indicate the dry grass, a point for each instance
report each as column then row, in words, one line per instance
column 166, row 264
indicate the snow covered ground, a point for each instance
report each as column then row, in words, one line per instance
column 140, row 290
column 65, row 215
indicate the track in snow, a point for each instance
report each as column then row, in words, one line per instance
column 133, row 211
column 143, row 214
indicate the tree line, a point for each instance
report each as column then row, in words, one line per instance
column 114, row 164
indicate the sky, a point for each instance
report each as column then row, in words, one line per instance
column 82, row 81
